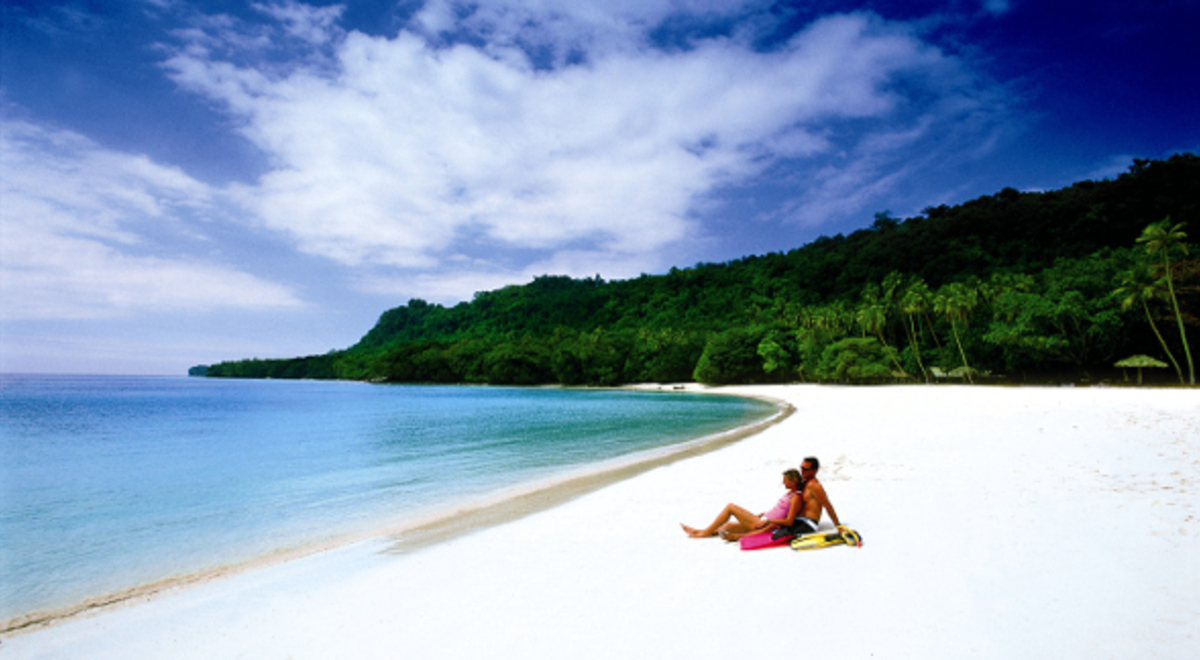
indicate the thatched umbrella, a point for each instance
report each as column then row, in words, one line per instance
column 963, row 372
column 1140, row 361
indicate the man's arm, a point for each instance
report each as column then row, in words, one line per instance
column 823, row 499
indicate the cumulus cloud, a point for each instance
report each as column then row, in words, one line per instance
column 563, row 30
column 316, row 25
column 434, row 152
column 82, row 229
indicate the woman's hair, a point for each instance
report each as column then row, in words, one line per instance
column 793, row 474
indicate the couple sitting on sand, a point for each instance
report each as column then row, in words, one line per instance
column 799, row 511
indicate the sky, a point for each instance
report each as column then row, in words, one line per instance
column 186, row 182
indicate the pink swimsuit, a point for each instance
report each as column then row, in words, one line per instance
column 781, row 509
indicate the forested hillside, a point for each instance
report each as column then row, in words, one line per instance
column 1013, row 285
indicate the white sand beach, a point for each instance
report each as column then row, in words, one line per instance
column 996, row 522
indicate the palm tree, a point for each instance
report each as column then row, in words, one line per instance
column 955, row 301
column 1140, row 286
column 915, row 300
column 890, row 289
column 918, row 287
column 1163, row 237
column 834, row 319
column 872, row 316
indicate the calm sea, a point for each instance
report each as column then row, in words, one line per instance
column 107, row 483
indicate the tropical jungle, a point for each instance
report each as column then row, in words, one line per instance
column 1096, row 282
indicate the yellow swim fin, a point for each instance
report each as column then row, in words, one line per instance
column 843, row 536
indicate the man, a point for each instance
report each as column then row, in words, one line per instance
column 812, row 499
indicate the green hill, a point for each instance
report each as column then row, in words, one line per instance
column 1020, row 284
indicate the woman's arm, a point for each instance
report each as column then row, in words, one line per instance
column 793, row 511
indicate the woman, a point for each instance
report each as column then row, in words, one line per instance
column 782, row 515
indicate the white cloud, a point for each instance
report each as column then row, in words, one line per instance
column 589, row 27
column 408, row 154
column 844, row 190
column 80, row 228
column 316, row 25
column 465, row 277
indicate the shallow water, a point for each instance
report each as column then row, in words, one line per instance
column 107, row 483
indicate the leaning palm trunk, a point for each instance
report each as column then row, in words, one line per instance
column 1162, row 341
column 892, row 354
column 1162, row 237
column 933, row 332
column 912, row 340
column 958, row 340
column 1187, row 352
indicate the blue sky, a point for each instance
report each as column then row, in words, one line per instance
column 187, row 182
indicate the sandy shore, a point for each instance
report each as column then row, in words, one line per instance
column 997, row 523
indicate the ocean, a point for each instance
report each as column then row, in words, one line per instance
column 110, row 483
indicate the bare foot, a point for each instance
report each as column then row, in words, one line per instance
column 695, row 533
column 733, row 536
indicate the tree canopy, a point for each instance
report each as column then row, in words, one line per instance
column 1014, row 284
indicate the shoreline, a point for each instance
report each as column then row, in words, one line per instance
column 997, row 522
column 515, row 504
column 425, row 530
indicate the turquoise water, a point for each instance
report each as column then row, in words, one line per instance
column 107, row 483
